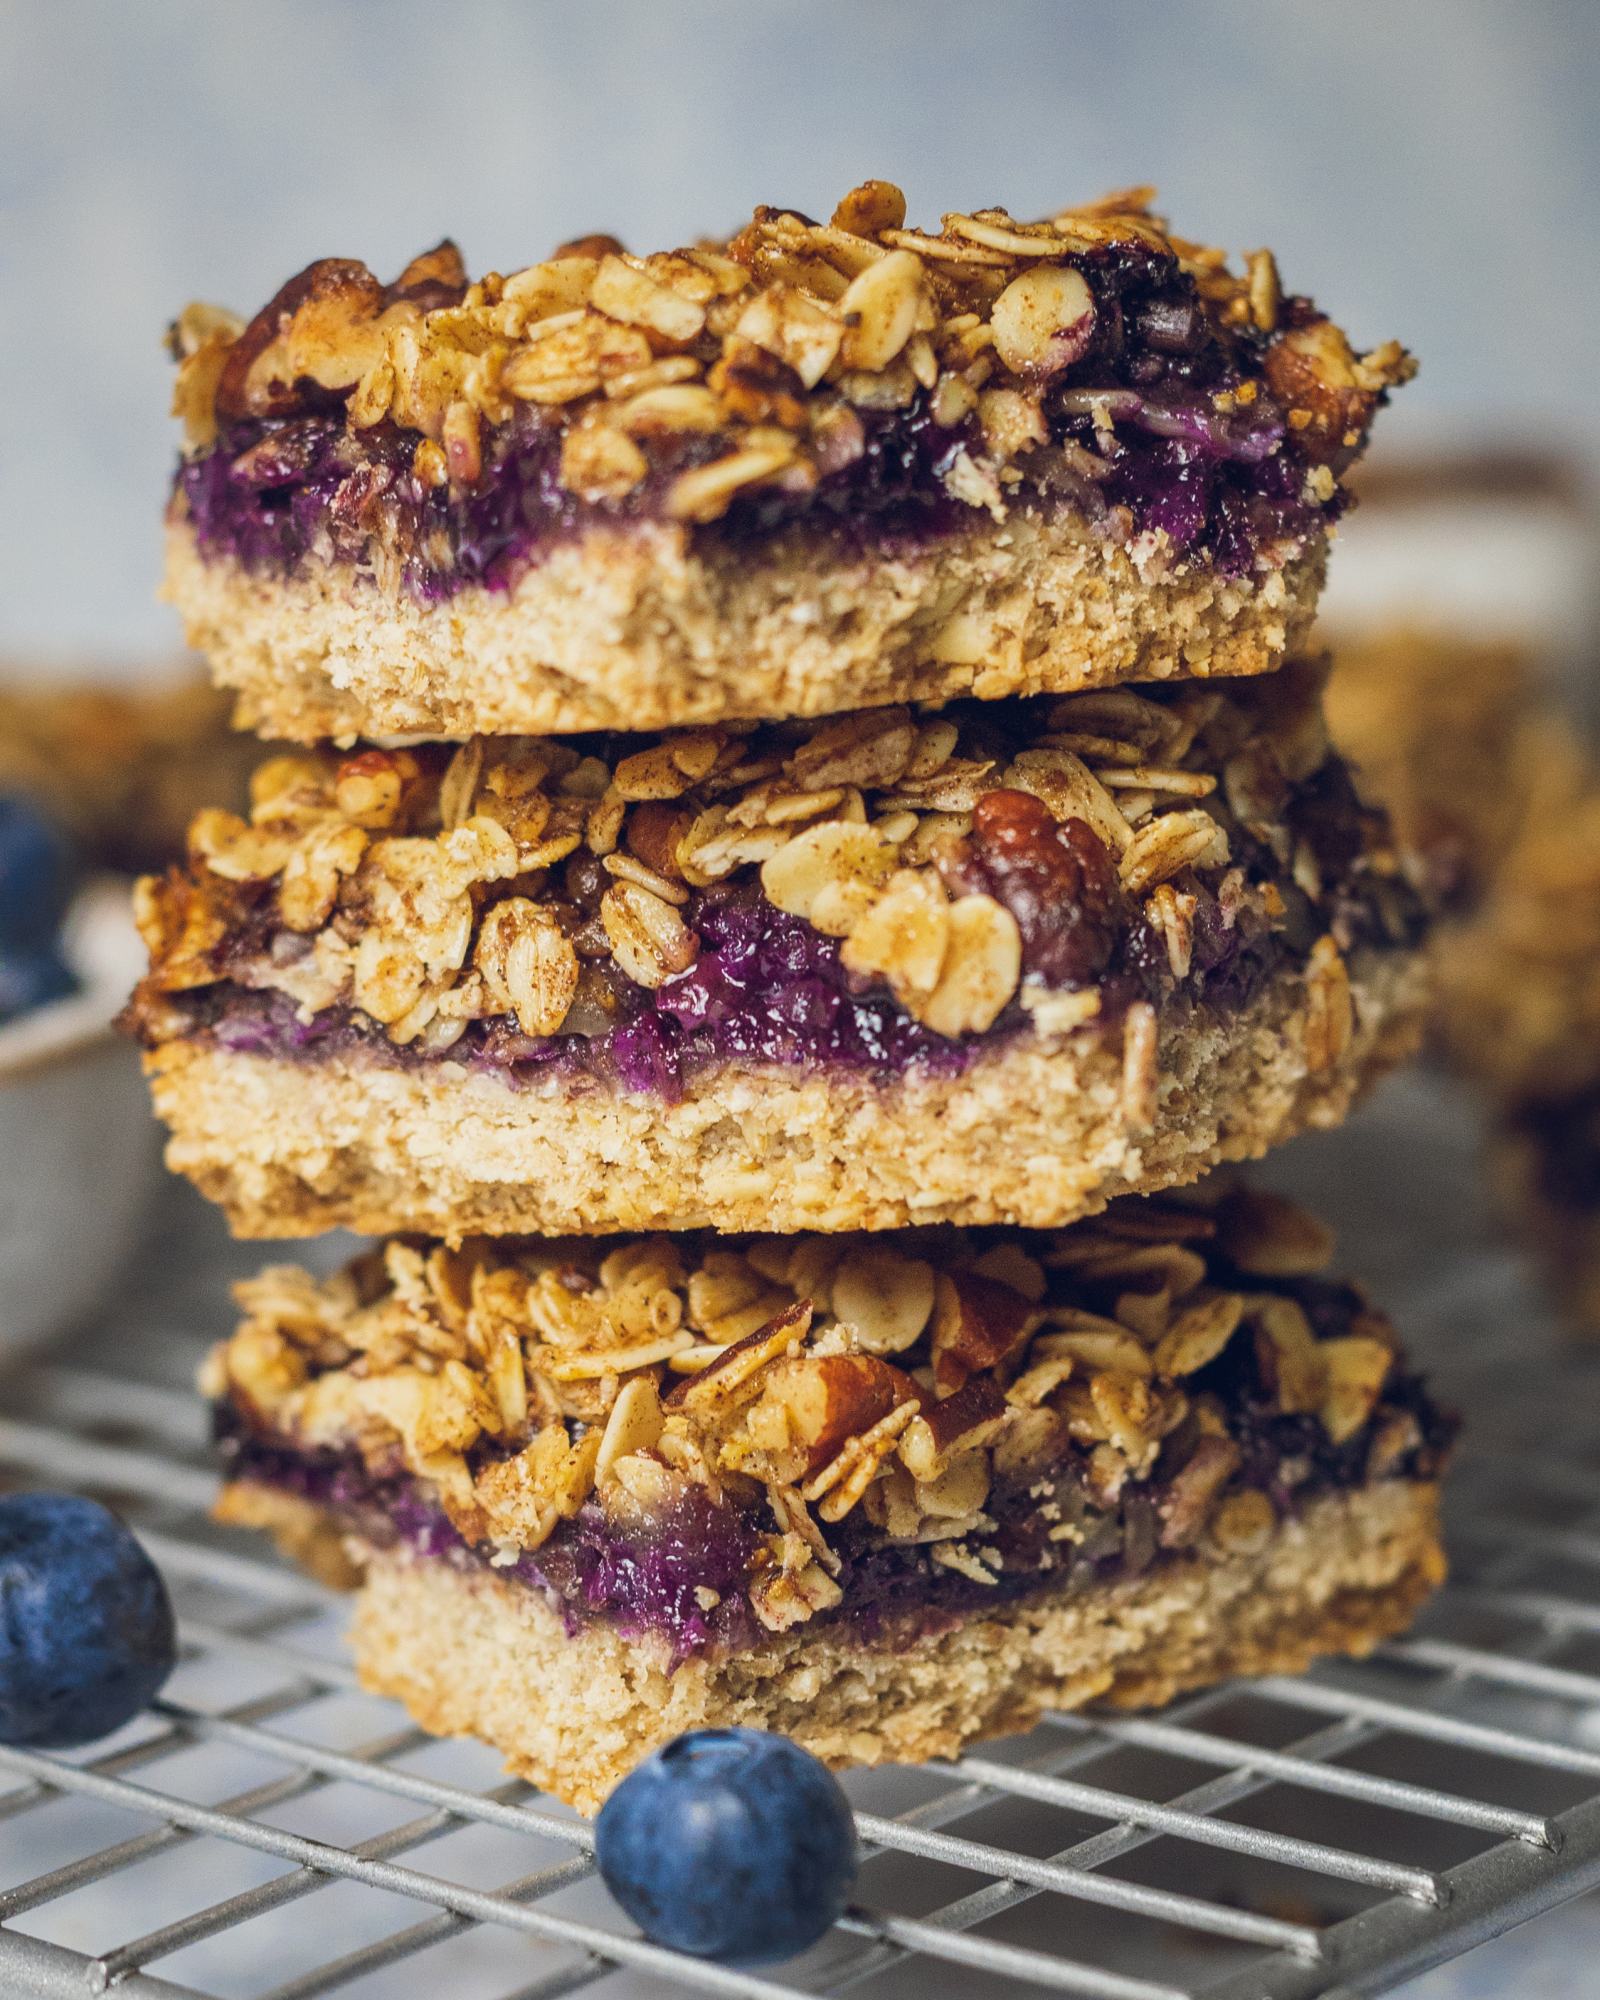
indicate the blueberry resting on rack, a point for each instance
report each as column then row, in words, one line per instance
column 36, row 882
column 36, row 878
column 86, row 1627
column 730, row 1844
column 33, row 979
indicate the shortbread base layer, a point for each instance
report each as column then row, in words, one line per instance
column 469, row 1654
column 656, row 627
column 1035, row 1133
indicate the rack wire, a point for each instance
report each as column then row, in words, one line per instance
column 268, row 1830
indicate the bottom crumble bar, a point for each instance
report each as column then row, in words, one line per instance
column 470, row 1655
column 887, row 1494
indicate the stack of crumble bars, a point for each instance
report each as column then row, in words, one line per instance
column 813, row 813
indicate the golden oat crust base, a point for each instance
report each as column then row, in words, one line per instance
column 471, row 1655
column 1035, row 1134
column 656, row 627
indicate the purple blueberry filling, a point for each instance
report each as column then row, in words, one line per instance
column 1225, row 482
column 766, row 989
column 684, row 1576
column 272, row 495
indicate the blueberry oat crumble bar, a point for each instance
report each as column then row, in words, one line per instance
column 885, row 1493
column 996, row 963
column 809, row 810
column 818, row 467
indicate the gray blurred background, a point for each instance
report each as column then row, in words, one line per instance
column 1427, row 167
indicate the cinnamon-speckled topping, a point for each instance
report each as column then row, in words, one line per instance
column 995, row 1405
column 437, row 431
column 875, row 888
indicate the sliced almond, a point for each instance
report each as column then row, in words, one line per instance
column 880, row 310
column 1043, row 320
column 829, row 874
column 982, row 965
column 633, row 1425
column 883, row 1298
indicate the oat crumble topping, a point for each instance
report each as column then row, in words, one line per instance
column 924, row 1387
column 1065, row 863
column 764, row 372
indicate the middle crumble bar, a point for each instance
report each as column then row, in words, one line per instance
column 997, row 962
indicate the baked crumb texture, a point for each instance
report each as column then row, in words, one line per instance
column 1035, row 1132
column 818, row 467
column 463, row 1652
column 645, row 627
column 941, row 1480
column 1496, row 792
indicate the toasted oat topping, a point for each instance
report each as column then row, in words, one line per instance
column 905, row 1377
column 965, row 860
column 759, row 359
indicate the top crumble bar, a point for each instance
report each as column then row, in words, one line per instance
column 817, row 467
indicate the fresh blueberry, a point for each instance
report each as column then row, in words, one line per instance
column 35, row 877
column 730, row 1844
column 86, row 1633
column 32, row 979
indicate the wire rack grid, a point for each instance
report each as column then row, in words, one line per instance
column 268, row 1830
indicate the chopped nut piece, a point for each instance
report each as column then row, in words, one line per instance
column 977, row 1323
column 1244, row 1523
column 960, row 1423
column 1269, row 1237
column 729, row 1378
column 784, row 1600
column 827, row 1400
column 871, row 209
column 1357, row 1368
column 1194, row 1489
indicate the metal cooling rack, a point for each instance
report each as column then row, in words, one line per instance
column 268, row 1830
